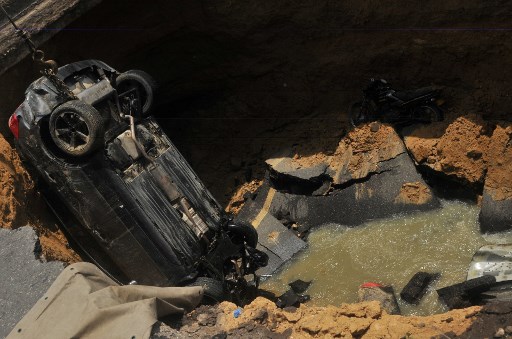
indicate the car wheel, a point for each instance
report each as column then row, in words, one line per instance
column 213, row 290
column 76, row 128
column 143, row 83
column 246, row 231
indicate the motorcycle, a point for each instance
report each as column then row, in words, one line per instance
column 382, row 102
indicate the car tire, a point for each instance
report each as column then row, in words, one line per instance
column 245, row 231
column 213, row 290
column 145, row 84
column 76, row 128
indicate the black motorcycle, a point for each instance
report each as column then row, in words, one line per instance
column 382, row 102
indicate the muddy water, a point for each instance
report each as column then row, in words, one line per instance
column 388, row 251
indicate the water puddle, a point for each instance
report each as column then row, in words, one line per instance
column 388, row 251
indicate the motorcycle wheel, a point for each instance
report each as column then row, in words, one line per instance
column 359, row 113
column 428, row 113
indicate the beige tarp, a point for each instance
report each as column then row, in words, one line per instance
column 84, row 303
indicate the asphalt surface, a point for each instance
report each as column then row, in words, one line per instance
column 23, row 278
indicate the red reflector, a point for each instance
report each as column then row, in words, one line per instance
column 370, row 285
column 14, row 125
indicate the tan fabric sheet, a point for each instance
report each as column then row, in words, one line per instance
column 84, row 303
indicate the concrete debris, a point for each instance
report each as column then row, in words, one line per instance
column 385, row 295
column 299, row 286
column 417, row 287
column 291, row 299
column 368, row 171
column 467, row 293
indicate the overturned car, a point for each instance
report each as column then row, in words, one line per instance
column 121, row 190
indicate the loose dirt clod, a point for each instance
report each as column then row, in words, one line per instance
column 241, row 195
column 414, row 193
column 456, row 147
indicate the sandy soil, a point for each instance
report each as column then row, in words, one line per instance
column 241, row 194
column 414, row 193
column 21, row 205
column 365, row 320
column 455, row 147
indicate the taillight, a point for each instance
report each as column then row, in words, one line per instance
column 14, row 125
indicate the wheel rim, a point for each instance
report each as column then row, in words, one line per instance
column 72, row 131
column 139, row 94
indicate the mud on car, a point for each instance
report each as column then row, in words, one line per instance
column 122, row 191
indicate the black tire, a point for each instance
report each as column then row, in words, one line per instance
column 428, row 113
column 76, row 128
column 145, row 85
column 359, row 113
column 213, row 290
column 246, row 231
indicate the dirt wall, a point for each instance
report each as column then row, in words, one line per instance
column 239, row 81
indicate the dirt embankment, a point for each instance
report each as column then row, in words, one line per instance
column 262, row 319
column 468, row 149
column 366, row 320
column 21, row 205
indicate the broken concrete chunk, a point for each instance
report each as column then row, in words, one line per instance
column 369, row 171
column 291, row 299
column 357, row 156
column 299, row 286
column 385, row 295
column 467, row 293
column 291, row 167
column 362, row 153
column 417, row 287
column 359, row 202
column 276, row 240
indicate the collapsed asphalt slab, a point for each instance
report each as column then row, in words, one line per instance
column 370, row 171
column 24, row 279
column 369, row 176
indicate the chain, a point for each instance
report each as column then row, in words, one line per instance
column 48, row 67
column 63, row 90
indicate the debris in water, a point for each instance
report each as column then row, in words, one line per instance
column 467, row 293
column 417, row 287
column 290, row 298
column 384, row 294
column 299, row 286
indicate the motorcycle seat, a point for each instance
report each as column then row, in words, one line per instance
column 415, row 93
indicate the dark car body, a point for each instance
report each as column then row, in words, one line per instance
column 150, row 221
